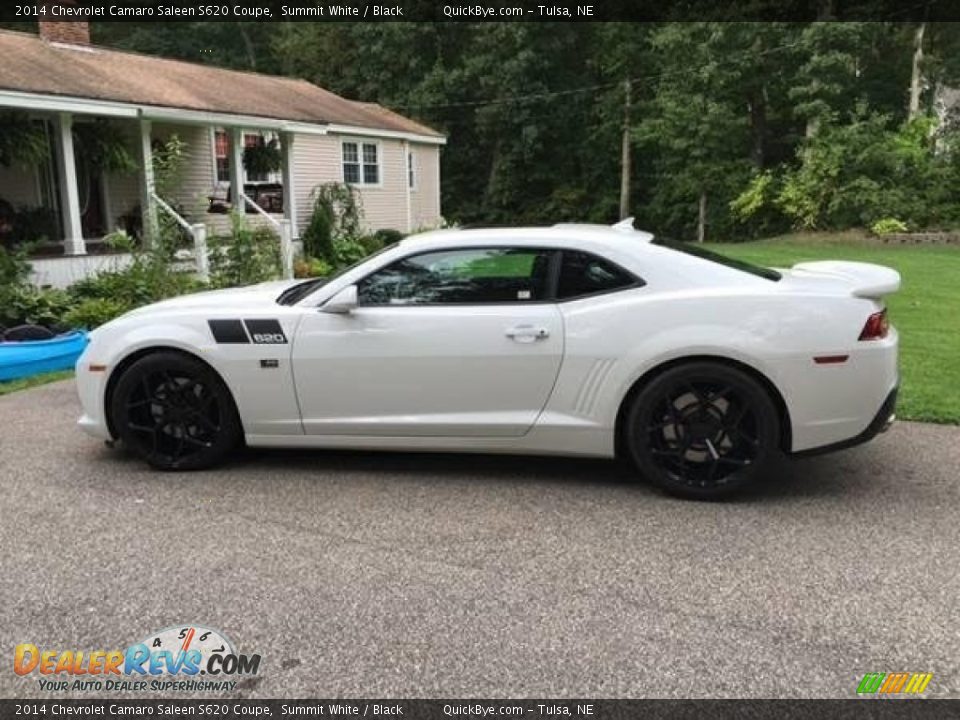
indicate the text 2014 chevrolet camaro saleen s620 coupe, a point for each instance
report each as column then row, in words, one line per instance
column 571, row 340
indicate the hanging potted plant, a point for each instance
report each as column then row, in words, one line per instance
column 263, row 157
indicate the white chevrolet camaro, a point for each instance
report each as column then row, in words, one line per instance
column 572, row 340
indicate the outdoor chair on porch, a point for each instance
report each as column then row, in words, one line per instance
column 268, row 196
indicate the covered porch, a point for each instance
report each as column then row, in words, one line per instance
column 89, row 170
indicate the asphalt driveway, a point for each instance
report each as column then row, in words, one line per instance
column 450, row 576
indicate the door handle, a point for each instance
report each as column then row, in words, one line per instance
column 526, row 333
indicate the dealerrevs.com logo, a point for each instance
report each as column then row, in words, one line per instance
column 189, row 658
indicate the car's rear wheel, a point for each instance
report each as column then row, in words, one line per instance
column 175, row 412
column 702, row 430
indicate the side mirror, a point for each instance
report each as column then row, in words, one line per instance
column 343, row 302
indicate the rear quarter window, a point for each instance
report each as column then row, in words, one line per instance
column 583, row 274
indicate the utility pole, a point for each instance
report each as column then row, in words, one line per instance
column 625, row 154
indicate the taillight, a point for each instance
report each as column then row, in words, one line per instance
column 876, row 327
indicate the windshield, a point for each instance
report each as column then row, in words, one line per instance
column 700, row 252
column 293, row 295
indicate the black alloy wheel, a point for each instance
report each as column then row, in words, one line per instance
column 703, row 430
column 175, row 412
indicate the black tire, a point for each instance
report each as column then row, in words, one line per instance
column 175, row 412
column 702, row 430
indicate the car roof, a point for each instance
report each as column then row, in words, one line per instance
column 561, row 235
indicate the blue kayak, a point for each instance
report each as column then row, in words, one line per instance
column 32, row 357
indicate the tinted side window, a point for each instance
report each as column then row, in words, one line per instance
column 475, row 275
column 585, row 274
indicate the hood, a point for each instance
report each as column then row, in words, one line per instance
column 250, row 296
column 864, row 280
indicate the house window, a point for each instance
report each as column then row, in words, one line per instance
column 222, row 152
column 361, row 163
column 411, row 172
column 221, row 146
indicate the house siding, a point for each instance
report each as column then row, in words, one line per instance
column 317, row 160
column 193, row 183
column 425, row 196
column 124, row 196
column 385, row 206
column 195, row 179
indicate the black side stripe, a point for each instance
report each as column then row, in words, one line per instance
column 229, row 332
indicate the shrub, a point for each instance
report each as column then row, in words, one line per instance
column 246, row 256
column 151, row 275
column 856, row 174
column 387, row 236
column 311, row 267
column 93, row 312
column 14, row 267
column 335, row 220
column 348, row 251
column 25, row 303
column 886, row 226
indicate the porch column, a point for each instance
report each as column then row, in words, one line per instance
column 289, row 189
column 73, row 243
column 236, row 171
column 148, row 208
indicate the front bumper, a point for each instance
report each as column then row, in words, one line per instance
column 881, row 422
column 91, row 387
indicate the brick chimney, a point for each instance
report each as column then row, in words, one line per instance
column 71, row 32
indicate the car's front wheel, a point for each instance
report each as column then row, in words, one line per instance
column 175, row 412
column 702, row 430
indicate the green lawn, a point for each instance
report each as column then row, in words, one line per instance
column 926, row 311
column 8, row 387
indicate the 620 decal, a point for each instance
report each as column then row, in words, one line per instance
column 259, row 332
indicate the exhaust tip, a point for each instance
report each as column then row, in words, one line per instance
column 892, row 418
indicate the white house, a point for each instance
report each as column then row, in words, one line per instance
column 60, row 81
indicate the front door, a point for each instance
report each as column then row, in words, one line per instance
column 450, row 343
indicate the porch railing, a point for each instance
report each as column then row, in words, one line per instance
column 284, row 229
column 197, row 231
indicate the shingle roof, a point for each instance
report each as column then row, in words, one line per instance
column 31, row 64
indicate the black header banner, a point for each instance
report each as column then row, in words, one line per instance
column 471, row 709
column 476, row 10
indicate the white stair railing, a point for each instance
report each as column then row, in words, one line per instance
column 199, row 234
column 285, row 230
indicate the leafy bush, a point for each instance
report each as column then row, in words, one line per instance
column 93, row 312
column 311, row 267
column 888, row 225
column 387, row 236
column 152, row 275
column 348, row 251
column 755, row 209
column 860, row 174
column 14, row 267
column 335, row 220
column 25, row 303
column 246, row 256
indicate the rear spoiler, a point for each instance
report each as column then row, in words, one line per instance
column 866, row 280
